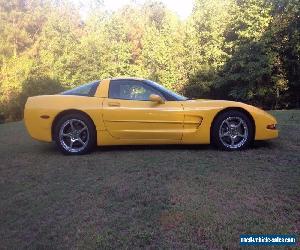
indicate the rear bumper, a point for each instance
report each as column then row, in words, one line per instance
column 37, row 127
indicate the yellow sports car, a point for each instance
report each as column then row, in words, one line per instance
column 123, row 111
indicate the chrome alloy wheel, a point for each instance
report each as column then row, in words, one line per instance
column 74, row 135
column 233, row 132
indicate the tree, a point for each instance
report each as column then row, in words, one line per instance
column 207, row 44
column 13, row 73
column 163, row 51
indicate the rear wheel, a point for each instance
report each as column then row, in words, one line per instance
column 232, row 130
column 75, row 134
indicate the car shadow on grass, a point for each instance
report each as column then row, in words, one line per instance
column 46, row 148
column 152, row 147
column 50, row 148
column 264, row 145
column 205, row 147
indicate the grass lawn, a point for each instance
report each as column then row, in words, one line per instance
column 147, row 197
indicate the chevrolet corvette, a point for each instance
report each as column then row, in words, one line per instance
column 126, row 111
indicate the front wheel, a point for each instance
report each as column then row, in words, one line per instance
column 232, row 130
column 75, row 134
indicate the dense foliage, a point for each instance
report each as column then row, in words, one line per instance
column 247, row 50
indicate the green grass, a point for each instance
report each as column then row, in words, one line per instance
column 147, row 197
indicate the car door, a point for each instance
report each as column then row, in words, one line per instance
column 129, row 114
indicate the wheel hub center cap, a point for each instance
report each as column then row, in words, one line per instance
column 233, row 132
column 75, row 135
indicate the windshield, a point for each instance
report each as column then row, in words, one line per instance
column 170, row 93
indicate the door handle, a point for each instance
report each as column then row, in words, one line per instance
column 114, row 104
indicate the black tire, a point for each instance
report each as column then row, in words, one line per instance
column 87, row 136
column 242, row 135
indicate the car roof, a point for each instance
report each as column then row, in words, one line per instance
column 127, row 78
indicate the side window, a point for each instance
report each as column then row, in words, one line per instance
column 130, row 90
column 88, row 89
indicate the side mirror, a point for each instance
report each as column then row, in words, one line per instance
column 156, row 99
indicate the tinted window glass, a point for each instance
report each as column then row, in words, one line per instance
column 131, row 90
column 88, row 89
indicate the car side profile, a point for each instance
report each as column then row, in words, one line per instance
column 132, row 111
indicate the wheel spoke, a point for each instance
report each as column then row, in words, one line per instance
column 239, row 124
column 226, row 134
column 83, row 129
column 72, row 125
column 227, row 123
column 66, row 135
column 232, row 141
column 71, row 144
column 241, row 135
column 81, row 141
